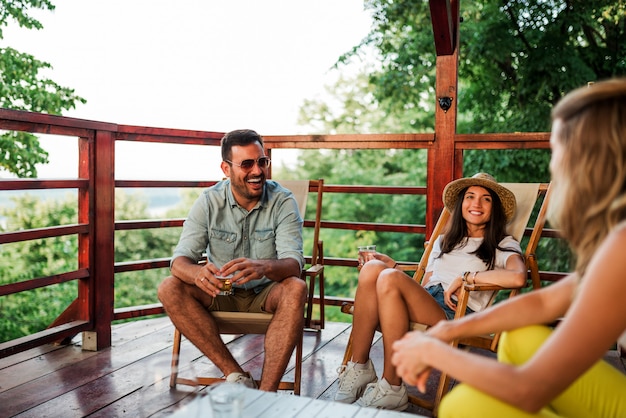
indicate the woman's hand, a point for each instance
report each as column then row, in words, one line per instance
column 443, row 330
column 409, row 359
column 389, row 262
column 453, row 289
column 365, row 257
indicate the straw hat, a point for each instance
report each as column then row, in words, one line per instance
column 452, row 190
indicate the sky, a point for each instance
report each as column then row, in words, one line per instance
column 211, row 65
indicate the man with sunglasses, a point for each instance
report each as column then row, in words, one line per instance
column 250, row 228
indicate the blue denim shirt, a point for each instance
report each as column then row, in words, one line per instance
column 218, row 226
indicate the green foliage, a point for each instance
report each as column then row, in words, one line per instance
column 23, row 87
column 404, row 77
column 364, row 167
column 28, row 312
column 516, row 57
column 519, row 57
column 509, row 166
column 140, row 244
column 40, row 257
column 20, row 152
column 352, row 108
column 16, row 10
column 138, row 287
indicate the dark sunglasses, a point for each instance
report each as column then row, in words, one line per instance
column 247, row 165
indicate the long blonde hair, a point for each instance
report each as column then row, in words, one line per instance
column 589, row 184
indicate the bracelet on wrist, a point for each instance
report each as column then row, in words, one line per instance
column 465, row 274
column 474, row 278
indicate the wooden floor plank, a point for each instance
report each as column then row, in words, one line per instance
column 320, row 369
column 64, row 381
column 43, row 364
column 49, row 386
column 27, row 355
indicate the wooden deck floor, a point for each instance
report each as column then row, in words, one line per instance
column 65, row 381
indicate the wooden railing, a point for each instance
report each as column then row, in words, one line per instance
column 92, row 313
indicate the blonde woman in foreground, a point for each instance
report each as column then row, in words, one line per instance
column 542, row 372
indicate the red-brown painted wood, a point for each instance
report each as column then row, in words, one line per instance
column 444, row 27
column 102, row 283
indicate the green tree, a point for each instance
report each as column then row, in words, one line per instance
column 23, row 87
column 402, row 73
column 516, row 59
column 139, row 287
column 351, row 107
column 365, row 167
column 24, row 313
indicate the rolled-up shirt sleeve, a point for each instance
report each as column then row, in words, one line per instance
column 194, row 238
column 289, row 231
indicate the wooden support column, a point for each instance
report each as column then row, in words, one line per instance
column 442, row 167
column 85, row 299
column 102, row 250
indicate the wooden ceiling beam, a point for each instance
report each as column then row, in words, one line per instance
column 444, row 26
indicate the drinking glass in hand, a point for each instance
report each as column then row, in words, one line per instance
column 227, row 286
column 366, row 253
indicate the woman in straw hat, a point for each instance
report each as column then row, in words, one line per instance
column 474, row 248
column 561, row 372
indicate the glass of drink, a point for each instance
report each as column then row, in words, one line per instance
column 227, row 400
column 366, row 253
column 227, row 286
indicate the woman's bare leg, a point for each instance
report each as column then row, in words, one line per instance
column 365, row 316
column 400, row 300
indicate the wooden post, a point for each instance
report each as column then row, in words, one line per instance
column 103, row 251
column 442, row 167
column 85, row 300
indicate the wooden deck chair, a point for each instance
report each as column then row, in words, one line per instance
column 235, row 323
column 526, row 195
column 490, row 342
column 315, row 271
column 248, row 323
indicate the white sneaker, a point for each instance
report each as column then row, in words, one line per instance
column 380, row 395
column 242, row 379
column 352, row 382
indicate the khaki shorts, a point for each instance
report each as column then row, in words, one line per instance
column 242, row 300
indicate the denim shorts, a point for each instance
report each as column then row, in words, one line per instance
column 436, row 292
